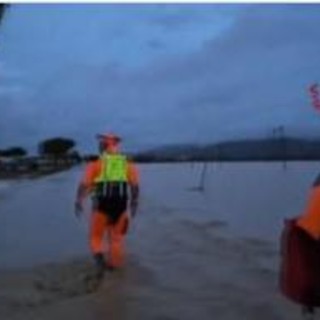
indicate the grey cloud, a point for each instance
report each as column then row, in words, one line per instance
column 10, row 90
column 250, row 79
column 175, row 20
column 239, row 77
column 176, row 16
column 263, row 65
column 156, row 44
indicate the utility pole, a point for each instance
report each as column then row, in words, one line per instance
column 202, row 177
column 200, row 186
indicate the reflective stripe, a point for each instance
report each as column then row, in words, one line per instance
column 121, row 189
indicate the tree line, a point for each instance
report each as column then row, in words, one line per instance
column 53, row 147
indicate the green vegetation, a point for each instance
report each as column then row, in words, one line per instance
column 55, row 154
column 56, row 147
column 13, row 152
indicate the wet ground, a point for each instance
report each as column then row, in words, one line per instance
column 190, row 255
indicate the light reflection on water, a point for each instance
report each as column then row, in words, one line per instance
column 37, row 224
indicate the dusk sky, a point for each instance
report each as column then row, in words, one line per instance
column 157, row 74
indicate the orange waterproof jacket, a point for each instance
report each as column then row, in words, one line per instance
column 310, row 219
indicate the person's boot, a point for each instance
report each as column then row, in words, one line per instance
column 100, row 265
column 308, row 312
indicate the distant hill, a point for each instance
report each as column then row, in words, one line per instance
column 240, row 150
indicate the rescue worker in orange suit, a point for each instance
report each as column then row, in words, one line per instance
column 309, row 221
column 300, row 277
column 111, row 180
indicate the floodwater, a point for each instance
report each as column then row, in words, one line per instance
column 190, row 255
column 37, row 223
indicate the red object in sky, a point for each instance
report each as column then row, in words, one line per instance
column 315, row 95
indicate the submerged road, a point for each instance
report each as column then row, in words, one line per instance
column 191, row 255
column 37, row 222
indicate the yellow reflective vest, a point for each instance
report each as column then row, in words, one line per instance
column 113, row 169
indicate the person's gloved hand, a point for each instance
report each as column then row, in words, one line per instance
column 78, row 208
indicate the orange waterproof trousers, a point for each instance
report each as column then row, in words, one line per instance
column 102, row 227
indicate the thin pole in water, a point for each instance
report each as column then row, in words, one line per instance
column 201, row 184
column 202, row 177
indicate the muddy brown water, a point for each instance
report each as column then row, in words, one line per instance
column 190, row 255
